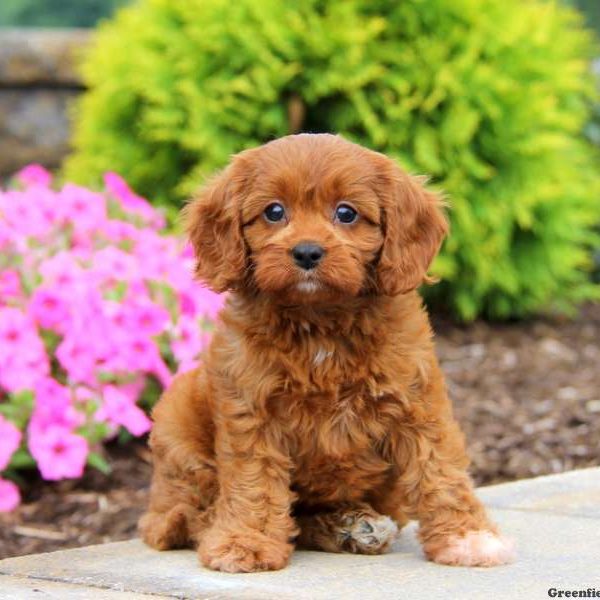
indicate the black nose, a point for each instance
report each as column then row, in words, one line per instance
column 307, row 255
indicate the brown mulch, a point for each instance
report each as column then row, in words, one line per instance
column 95, row 509
column 526, row 394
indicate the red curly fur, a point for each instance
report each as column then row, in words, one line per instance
column 320, row 413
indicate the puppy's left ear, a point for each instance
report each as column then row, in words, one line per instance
column 213, row 224
column 414, row 227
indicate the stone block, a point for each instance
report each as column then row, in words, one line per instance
column 34, row 57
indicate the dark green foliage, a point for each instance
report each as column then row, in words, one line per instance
column 489, row 97
column 55, row 13
column 591, row 10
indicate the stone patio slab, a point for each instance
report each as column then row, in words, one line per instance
column 573, row 493
column 554, row 551
column 23, row 588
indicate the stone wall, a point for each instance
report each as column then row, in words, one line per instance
column 38, row 82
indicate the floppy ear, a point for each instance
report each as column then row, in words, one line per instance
column 213, row 225
column 414, row 227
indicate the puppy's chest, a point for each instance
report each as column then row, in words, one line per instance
column 339, row 453
column 327, row 366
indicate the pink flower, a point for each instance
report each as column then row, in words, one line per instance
column 10, row 285
column 34, row 174
column 135, row 352
column 49, row 309
column 90, row 279
column 53, row 406
column 77, row 357
column 188, row 342
column 17, row 375
column 187, row 304
column 179, row 274
column 85, row 210
column 60, row 454
column 7, row 233
column 18, row 378
column 157, row 253
column 83, row 395
column 144, row 317
column 25, row 216
column 119, row 231
column 131, row 202
column 196, row 299
column 10, row 438
column 120, row 409
column 63, row 271
column 133, row 389
column 112, row 264
column 52, row 211
column 137, row 291
column 23, row 357
column 10, row 497
column 208, row 303
column 187, row 365
column 141, row 353
column 16, row 332
column 162, row 372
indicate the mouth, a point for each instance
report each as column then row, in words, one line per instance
column 309, row 286
column 309, row 282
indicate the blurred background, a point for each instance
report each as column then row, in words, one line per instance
column 87, row 13
column 497, row 101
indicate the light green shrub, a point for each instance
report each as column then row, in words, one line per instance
column 489, row 97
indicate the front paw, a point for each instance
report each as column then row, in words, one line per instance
column 243, row 552
column 473, row 549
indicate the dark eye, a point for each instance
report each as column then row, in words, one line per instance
column 345, row 214
column 274, row 212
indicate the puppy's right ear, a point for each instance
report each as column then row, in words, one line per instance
column 213, row 224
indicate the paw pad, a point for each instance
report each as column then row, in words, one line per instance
column 365, row 534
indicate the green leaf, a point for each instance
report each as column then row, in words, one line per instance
column 99, row 462
column 19, row 407
column 124, row 436
column 21, row 459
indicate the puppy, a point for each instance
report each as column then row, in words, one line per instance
column 319, row 416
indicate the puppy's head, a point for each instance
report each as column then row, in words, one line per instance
column 314, row 218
